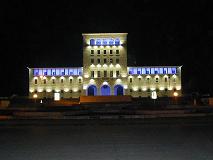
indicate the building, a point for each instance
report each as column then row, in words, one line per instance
column 105, row 72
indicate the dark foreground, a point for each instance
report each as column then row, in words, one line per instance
column 118, row 139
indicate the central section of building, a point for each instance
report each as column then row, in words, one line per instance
column 105, row 72
column 105, row 63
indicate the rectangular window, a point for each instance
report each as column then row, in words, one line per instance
column 110, row 52
column 130, row 80
column 99, row 74
column 99, row 60
column 98, row 52
column 139, row 79
column 105, row 60
column 36, row 81
column 117, row 52
column 156, row 70
column 45, row 81
column 111, row 73
column 111, row 60
column 62, row 73
column 138, row 70
column 164, row 70
column 79, row 80
column 49, row 72
column 174, row 71
column 53, row 72
column 70, row 80
column 117, row 60
column 166, row 79
column 92, row 60
column 147, row 70
column 117, row 73
column 35, row 72
column 45, row 72
column 62, row 80
column 104, row 52
column 70, row 71
column 40, row 72
column 53, row 81
column 92, row 74
column 105, row 73
column 92, row 52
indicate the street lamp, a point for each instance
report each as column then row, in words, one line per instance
column 175, row 94
column 35, row 96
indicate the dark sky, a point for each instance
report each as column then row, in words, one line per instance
column 159, row 33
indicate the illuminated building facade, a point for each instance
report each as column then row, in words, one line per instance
column 105, row 72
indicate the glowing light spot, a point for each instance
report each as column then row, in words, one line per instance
column 35, row 95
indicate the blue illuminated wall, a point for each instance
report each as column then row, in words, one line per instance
column 152, row 70
column 57, row 72
column 105, row 42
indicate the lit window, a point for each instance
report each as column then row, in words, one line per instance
column 156, row 70
column 161, row 70
column 169, row 70
column 147, row 70
column 117, row 41
column 111, row 42
column 143, row 71
column 164, row 70
column 92, row 42
column 98, row 42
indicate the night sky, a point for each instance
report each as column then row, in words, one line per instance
column 159, row 33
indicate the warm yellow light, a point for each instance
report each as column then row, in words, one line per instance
column 57, row 90
column 48, row 90
column 110, row 65
column 31, row 90
column 104, row 65
column 35, row 95
column 92, row 81
column 175, row 94
column 125, row 86
column 161, row 88
column 152, row 89
column 41, row 77
column 144, row 89
column 178, row 88
column 92, row 65
column 75, row 90
column 118, row 81
column 117, row 66
column 135, row 88
column 154, row 95
column 86, row 76
column 53, row 77
column 40, row 90
column 66, row 89
column 170, row 88
column 98, row 65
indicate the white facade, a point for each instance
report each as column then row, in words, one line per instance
column 105, row 72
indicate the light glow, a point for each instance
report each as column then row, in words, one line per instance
column 35, row 95
column 125, row 87
column 154, row 95
column 66, row 89
column 175, row 94
column 57, row 97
